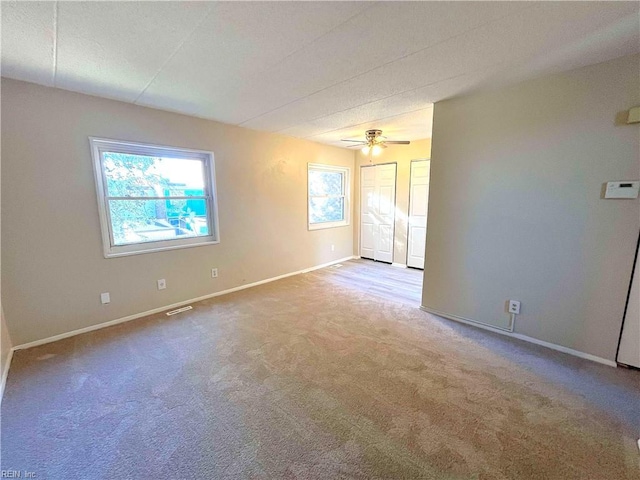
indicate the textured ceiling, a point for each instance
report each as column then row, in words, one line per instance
column 316, row 70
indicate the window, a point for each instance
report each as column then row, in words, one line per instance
column 153, row 198
column 328, row 196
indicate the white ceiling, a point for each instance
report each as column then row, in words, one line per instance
column 316, row 70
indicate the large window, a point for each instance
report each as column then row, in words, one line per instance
column 328, row 196
column 154, row 198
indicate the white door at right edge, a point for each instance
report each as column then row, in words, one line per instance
column 377, row 211
column 418, row 207
column 629, row 347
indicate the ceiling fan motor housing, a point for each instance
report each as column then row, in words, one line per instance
column 372, row 134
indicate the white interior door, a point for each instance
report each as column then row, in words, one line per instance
column 377, row 211
column 368, row 212
column 418, row 207
column 386, row 190
column 629, row 349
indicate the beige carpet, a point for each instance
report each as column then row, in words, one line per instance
column 307, row 378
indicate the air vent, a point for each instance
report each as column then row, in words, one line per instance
column 179, row 310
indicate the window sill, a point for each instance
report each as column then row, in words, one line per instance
column 123, row 252
column 322, row 226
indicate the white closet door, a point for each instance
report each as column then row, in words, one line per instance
column 368, row 212
column 377, row 211
column 386, row 189
column 418, row 207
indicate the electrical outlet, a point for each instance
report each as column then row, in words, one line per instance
column 162, row 284
column 333, row 248
column 105, row 298
column 514, row 307
column 214, row 273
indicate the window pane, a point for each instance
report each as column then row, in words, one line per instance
column 325, row 183
column 144, row 176
column 139, row 221
column 322, row 210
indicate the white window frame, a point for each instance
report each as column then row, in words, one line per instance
column 100, row 145
column 346, row 179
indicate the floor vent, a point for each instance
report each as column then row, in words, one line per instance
column 336, row 265
column 179, row 310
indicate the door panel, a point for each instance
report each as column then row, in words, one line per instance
column 368, row 197
column 384, row 251
column 418, row 209
column 368, row 241
column 386, row 198
column 416, row 246
column 368, row 176
column 420, row 195
column 387, row 174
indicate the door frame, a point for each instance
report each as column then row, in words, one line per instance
column 626, row 305
column 409, row 204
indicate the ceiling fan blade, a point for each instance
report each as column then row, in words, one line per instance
column 398, row 142
column 347, row 140
column 357, row 145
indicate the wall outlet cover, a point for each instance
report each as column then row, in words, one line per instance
column 514, row 306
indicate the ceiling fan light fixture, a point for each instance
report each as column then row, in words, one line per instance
column 373, row 142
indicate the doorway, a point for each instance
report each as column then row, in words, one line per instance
column 629, row 342
column 417, row 217
column 377, row 212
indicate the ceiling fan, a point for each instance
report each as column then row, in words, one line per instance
column 374, row 142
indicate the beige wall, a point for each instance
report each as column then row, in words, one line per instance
column 53, row 270
column 402, row 155
column 515, row 208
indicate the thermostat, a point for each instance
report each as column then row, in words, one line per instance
column 625, row 189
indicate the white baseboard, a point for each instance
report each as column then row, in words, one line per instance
column 170, row 307
column 519, row 336
column 468, row 321
column 399, row 265
column 5, row 373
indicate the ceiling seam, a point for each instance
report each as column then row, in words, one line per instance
column 372, row 121
column 282, row 130
column 54, row 78
column 173, row 54
column 387, row 63
column 386, row 98
column 378, row 100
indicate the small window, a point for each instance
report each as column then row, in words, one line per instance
column 153, row 198
column 328, row 196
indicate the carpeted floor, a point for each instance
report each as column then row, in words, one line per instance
column 309, row 378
